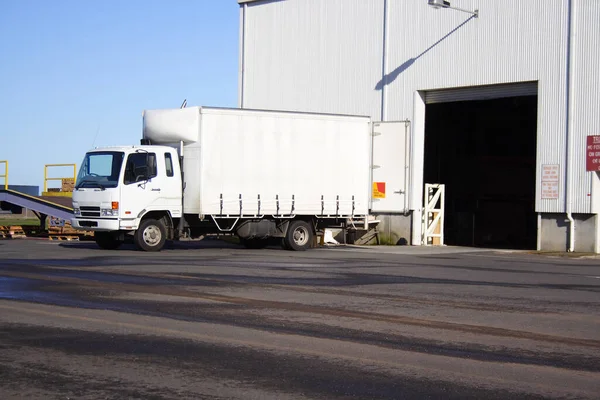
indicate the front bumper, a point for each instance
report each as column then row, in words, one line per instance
column 95, row 224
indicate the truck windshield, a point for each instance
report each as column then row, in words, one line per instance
column 100, row 170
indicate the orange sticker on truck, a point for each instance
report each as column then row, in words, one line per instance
column 379, row 190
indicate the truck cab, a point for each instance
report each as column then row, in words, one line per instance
column 125, row 193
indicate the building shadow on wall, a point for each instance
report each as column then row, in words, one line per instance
column 392, row 76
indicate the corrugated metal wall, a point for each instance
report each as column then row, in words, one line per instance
column 510, row 41
column 327, row 56
column 314, row 55
column 585, row 112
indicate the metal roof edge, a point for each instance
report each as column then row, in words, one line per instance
column 241, row 2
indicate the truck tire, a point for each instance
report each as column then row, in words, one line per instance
column 106, row 240
column 151, row 235
column 299, row 236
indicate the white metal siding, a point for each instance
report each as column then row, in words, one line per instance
column 326, row 55
column 586, row 99
column 241, row 56
column 314, row 55
column 510, row 41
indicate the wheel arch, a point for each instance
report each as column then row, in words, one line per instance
column 165, row 217
column 309, row 219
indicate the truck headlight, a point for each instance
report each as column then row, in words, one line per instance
column 107, row 212
column 76, row 211
column 113, row 211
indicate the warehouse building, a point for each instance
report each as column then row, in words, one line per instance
column 498, row 100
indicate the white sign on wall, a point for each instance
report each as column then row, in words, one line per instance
column 550, row 179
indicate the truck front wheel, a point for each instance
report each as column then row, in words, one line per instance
column 299, row 236
column 151, row 235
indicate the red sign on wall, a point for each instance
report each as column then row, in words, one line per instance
column 593, row 153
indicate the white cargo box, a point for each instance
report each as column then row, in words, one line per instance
column 248, row 162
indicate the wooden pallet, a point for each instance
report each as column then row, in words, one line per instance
column 59, row 227
column 67, row 185
column 12, row 232
column 64, row 238
column 16, row 232
column 69, row 232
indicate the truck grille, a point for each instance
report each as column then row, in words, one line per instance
column 89, row 224
column 90, row 211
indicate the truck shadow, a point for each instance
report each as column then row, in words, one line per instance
column 169, row 245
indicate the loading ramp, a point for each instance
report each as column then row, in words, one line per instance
column 42, row 206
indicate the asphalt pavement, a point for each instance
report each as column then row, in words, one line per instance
column 211, row 320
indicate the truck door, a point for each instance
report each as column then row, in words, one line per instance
column 170, row 188
column 141, row 189
column 390, row 176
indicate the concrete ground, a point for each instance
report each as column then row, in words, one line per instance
column 210, row 320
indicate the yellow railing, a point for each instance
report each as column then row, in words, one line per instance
column 5, row 175
column 46, row 179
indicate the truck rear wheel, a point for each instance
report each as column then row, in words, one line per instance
column 150, row 235
column 299, row 236
column 106, row 240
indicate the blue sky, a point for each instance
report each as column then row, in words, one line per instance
column 78, row 74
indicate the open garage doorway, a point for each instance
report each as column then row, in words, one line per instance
column 484, row 151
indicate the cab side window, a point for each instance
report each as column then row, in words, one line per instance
column 140, row 167
column 169, row 164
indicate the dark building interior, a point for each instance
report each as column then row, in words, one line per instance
column 484, row 152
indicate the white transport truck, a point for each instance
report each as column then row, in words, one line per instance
column 200, row 170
